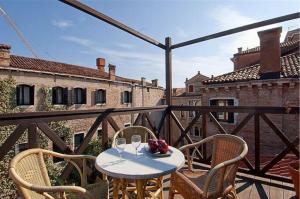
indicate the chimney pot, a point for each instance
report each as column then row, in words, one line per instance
column 270, row 53
column 100, row 63
column 112, row 72
column 240, row 49
column 155, row 82
column 4, row 55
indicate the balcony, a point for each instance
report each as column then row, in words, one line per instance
column 259, row 177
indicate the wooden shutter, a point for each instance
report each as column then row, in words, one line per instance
column 54, row 93
column 72, row 96
column 94, row 97
column 65, row 96
column 18, row 95
column 84, row 96
column 31, row 93
column 122, row 97
column 130, row 97
column 104, row 96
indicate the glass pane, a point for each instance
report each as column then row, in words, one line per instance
column 26, row 95
column 59, row 94
column 78, row 139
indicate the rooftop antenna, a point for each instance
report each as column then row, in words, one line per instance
column 17, row 30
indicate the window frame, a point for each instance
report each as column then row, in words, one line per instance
column 191, row 86
column 76, row 134
column 20, row 91
column 76, row 94
column 55, row 95
column 129, row 97
column 102, row 93
column 229, row 117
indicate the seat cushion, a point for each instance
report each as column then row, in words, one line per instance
column 190, row 183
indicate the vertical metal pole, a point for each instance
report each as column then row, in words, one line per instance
column 257, row 142
column 168, row 51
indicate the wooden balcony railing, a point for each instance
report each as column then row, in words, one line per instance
column 35, row 121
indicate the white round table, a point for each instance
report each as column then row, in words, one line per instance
column 145, row 166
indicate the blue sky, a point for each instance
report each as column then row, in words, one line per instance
column 61, row 33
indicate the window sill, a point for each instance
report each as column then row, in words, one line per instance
column 25, row 106
column 100, row 104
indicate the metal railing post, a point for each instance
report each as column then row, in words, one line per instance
column 168, row 55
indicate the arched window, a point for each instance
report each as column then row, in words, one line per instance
column 25, row 95
column 191, row 88
column 100, row 96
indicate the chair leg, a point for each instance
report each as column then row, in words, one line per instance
column 171, row 191
column 161, row 194
column 115, row 188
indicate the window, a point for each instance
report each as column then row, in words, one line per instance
column 191, row 88
column 100, row 96
column 59, row 95
column 79, row 96
column 21, row 147
column 25, row 95
column 99, row 133
column 223, row 116
column 78, row 139
column 196, row 131
column 127, row 124
column 127, row 97
column 57, row 149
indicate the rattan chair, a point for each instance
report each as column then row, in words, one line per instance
column 29, row 173
column 155, row 184
column 219, row 181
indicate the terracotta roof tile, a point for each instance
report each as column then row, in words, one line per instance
column 285, row 46
column 290, row 68
column 28, row 63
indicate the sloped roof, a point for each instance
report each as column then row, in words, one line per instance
column 285, row 47
column 196, row 78
column 289, row 69
column 42, row 65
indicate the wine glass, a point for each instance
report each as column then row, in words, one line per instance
column 136, row 142
column 120, row 145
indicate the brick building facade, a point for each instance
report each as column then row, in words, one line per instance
column 267, row 75
column 77, row 88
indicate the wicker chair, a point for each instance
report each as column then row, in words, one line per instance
column 126, row 185
column 219, row 181
column 29, row 173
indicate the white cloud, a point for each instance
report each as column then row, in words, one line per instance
column 62, row 23
column 126, row 46
column 181, row 33
column 77, row 40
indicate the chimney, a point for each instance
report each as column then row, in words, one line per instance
column 240, row 49
column 4, row 55
column 143, row 81
column 270, row 53
column 100, row 63
column 155, row 82
column 112, row 72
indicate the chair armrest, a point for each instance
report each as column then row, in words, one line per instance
column 221, row 165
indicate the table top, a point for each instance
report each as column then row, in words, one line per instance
column 144, row 166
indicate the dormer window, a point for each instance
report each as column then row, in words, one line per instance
column 100, row 96
column 25, row 95
column 191, row 88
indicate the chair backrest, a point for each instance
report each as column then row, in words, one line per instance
column 29, row 167
column 127, row 132
column 227, row 147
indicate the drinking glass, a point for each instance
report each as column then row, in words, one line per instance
column 136, row 142
column 120, row 145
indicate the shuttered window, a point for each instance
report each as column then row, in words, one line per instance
column 59, row 95
column 25, row 95
column 127, row 97
column 100, row 96
column 79, row 96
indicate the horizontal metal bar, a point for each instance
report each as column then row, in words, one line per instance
column 238, row 29
column 239, row 109
column 111, row 21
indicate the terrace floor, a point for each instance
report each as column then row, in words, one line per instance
column 251, row 187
